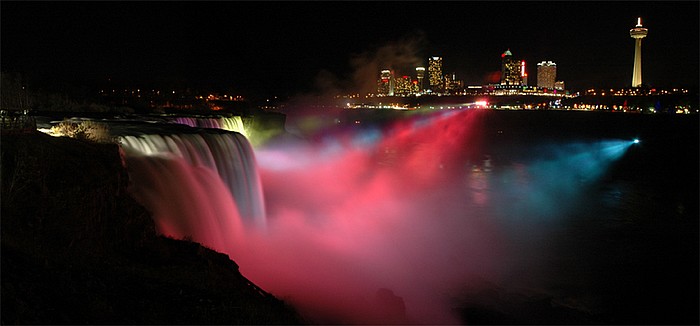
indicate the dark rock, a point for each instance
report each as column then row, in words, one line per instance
column 77, row 249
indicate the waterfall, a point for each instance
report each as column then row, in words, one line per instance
column 196, row 185
column 234, row 123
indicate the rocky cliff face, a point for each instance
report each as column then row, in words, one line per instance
column 77, row 249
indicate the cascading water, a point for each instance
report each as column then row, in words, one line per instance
column 234, row 123
column 202, row 186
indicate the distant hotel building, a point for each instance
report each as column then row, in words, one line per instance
column 453, row 85
column 546, row 74
column 435, row 74
column 403, row 86
column 386, row 83
column 420, row 75
column 512, row 70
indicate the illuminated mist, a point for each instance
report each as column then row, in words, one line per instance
column 399, row 208
column 363, row 211
column 384, row 223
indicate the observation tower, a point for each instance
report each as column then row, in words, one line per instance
column 638, row 33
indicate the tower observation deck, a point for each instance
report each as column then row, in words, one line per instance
column 638, row 33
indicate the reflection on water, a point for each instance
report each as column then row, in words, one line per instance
column 606, row 250
column 478, row 185
column 477, row 182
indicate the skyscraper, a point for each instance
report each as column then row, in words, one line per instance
column 510, row 69
column 420, row 74
column 435, row 74
column 546, row 74
column 638, row 33
column 386, row 83
column 402, row 86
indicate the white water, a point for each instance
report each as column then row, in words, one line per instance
column 234, row 123
column 226, row 155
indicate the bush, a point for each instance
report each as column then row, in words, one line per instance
column 84, row 130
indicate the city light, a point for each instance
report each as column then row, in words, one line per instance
column 393, row 82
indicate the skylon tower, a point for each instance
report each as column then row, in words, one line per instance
column 638, row 33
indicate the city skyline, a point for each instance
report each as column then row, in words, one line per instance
column 293, row 48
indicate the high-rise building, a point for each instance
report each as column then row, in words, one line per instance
column 435, row 74
column 510, row 69
column 382, row 87
column 546, row 74
column 414, row 87
column 638, row 33
column 420, row 74
column 386, row 83
column 403, row 86
column 453, row 85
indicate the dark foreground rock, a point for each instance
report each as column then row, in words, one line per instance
column 77, row 249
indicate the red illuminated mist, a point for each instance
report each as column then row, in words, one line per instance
column 372, row 232
column 370, row 220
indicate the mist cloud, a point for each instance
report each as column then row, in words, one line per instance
column 388, row 224
column 402, row 56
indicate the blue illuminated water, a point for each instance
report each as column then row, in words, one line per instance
column 616, row 244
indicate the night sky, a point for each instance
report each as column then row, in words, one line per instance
column 289, row 48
